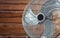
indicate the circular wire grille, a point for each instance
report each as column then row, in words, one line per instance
column 49, row 27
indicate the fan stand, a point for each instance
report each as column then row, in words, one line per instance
column 27, row 36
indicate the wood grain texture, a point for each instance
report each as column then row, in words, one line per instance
column 11, row 18
column 14, row 1
column 11, row 28
column 11, row 15
column 12, row 7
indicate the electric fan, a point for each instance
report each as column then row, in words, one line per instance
column 40, row 18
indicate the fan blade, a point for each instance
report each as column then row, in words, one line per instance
column 49, row 28
column 31, row 18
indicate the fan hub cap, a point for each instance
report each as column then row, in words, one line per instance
column 41, row 17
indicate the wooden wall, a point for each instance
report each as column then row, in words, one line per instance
column 11, row 18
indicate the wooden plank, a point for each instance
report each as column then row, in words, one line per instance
column 22, row 1
column 14, row 1
column 12, row 7
column 14, row 15
column 10, row 14
column 13, row 37
column 12, row 25
column 9, row 20
column 18, row 7
column 11, row 29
